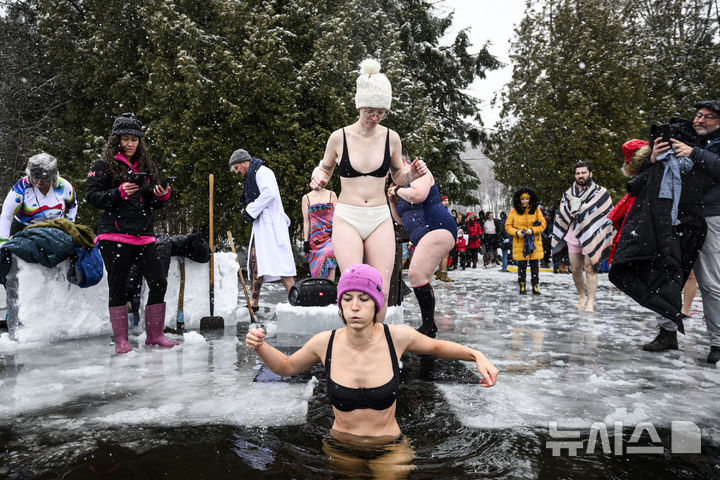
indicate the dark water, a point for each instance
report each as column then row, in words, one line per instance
column 443, row 447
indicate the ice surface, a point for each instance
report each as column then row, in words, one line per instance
column 52, row 309
column 311, row 320
column 556, row 363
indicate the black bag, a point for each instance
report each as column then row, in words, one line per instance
column 313, row 292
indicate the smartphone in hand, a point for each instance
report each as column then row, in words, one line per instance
column 138, row 178
column 167, row 182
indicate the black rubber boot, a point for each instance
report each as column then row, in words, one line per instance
column 536, row 290
column 522, row 288
column 714, row 355
column 426, row 299
column 666, row 340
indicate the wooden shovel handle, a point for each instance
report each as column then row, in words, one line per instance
column 242, row 280
column 212, row 252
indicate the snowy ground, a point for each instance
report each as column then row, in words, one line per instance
column 556, row 364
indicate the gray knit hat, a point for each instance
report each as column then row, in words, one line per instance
column 127, row 124
column 239, row 156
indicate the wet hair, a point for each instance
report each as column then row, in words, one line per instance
column 120, row 172
column 582, row 163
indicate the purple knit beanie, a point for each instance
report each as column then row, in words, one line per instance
column 362, row 278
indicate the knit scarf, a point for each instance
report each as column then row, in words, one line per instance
column 250, row 190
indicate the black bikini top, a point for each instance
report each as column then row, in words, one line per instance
column 345, row 169
column 347, row 399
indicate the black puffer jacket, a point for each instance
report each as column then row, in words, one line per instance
column 132, row 216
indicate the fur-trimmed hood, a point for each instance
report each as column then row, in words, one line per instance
column 635, row 164
column 533, row 200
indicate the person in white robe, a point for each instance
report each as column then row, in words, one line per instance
column 270, row 251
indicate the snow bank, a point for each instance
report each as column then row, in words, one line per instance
column 49, row 308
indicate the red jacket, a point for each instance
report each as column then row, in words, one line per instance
column 461, row 246
column 618, row 215
column 474, row 231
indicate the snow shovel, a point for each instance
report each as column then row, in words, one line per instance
column 212, row 322
column 242, row 280
column 180, row 316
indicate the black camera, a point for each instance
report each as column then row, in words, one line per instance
column 677, row 128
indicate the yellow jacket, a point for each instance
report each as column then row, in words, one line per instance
column 517, row 221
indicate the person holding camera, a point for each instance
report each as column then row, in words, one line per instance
column 124, row 184
column 706, row 159
column 581, row 225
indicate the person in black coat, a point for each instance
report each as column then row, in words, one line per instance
column 125, row 185
column 654, row 255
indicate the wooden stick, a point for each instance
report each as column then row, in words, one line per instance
column 242, row 280
column 212, row 253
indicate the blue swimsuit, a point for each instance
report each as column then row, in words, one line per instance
column 421, row 218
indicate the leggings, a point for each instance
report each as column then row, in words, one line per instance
column 119, row 257
column 534, row 271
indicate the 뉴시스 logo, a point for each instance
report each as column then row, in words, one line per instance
column 685, row 437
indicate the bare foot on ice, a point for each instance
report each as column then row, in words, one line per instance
column 582, row 301
column 590, row 307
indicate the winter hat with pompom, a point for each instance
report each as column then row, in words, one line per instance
column 362, row 278
column 373, row 88
column 42, row 166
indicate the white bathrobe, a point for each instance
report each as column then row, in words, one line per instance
column 270, row 230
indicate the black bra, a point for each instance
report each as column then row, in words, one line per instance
column 347, row 399
column 345, row 169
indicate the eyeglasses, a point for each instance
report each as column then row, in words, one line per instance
column 380, row 114
column 707, row 116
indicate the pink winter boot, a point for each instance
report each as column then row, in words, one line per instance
column 154, row 324
column 119, row 322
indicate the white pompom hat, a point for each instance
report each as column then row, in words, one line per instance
column 373, row 88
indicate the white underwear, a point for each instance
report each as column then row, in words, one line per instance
column 363, row 219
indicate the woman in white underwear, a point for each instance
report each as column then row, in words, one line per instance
column 364, row 153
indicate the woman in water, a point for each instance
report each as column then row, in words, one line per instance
column 432, row 230
column 361, row 360
column 364, row 153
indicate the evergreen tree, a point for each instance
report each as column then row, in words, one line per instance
column 273, row 77
column 589, row 75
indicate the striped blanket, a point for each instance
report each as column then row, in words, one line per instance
column 586, row 212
